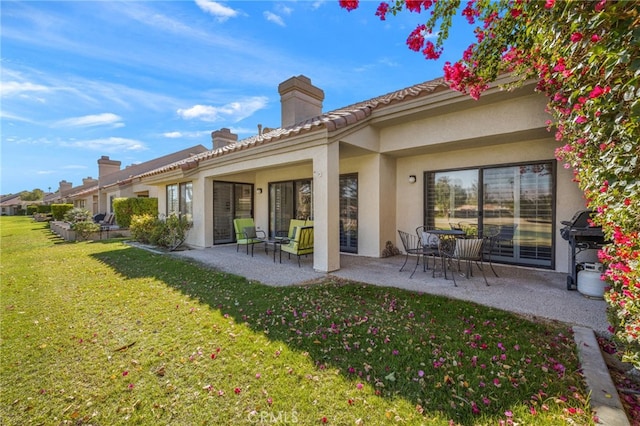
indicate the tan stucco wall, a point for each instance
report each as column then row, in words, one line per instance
column 410, row 199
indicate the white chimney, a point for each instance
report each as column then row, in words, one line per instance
column 300, row 100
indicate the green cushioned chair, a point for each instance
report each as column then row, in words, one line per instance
column 293, row 224
column 247, row 235
column 301, row 244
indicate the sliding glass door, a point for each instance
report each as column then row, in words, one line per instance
column 515, row 202
column 230, row 201
column 289, row 200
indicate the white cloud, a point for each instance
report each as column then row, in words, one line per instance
column 110, row 145
column 178, row 134
column 284, row 9
column 104, row 119
column 272, row 17
column 220, row 11
column 74, row 167
column 172, row 135
column 234, row 111
column 317, row 4
column 10, row 88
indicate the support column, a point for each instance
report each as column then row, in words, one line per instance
column 326, row 208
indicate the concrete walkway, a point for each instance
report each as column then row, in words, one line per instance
column 527, row 291
column 531, row 292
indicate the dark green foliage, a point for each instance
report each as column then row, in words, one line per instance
column 126, row 208
column 59, row 210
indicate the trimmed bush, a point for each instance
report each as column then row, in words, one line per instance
column 142, row 227
column 126, row 208
column 84, row 229
column 58, row 210
column 169, row 233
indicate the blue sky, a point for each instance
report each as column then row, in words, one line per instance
column 139, row 80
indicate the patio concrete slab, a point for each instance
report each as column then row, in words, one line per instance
column 532, row 292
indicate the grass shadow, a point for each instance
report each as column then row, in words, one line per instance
column 450, row 359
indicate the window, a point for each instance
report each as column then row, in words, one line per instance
column 180, row 199
column 349, row 213
column 515, row 200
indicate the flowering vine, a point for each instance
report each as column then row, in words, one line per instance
column 585, row 57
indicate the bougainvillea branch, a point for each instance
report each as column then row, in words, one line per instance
column 585, row 57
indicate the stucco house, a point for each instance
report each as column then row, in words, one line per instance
column 11, row 204
column 423, row 155
column 97, row 195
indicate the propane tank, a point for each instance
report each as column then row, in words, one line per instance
column 589, row 282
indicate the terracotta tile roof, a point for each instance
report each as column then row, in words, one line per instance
column 332, row 121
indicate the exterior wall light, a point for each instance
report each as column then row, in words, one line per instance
column 412, row 178
column 259, row 190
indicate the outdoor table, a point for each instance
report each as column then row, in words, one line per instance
column 275, row 243
column 447, row 236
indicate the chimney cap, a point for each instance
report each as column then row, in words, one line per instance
column 303, row 84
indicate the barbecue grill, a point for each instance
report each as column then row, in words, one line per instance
column 581, row 236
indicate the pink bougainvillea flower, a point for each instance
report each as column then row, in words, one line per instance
column 359, row 386
column 415, row 41
column 125, row 373
column 383, row 9
column 237, row 391
column 549, row 4
column 576, row 37
column 349, row 4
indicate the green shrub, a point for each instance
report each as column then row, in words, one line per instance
column 58, row 210
column 84, row 229
column 44, row 208
column 126, row 208
column 174, row 231
column 169, row 233
column 78, row 214
column 142, row 227
column 32, row 209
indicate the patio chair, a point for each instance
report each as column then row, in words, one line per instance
column 490, row 233
column 466, row 251
column 293, row 224
column 503, row 241
column 411, row 246
column 247, row 235
column 301, row 244
column 429, row 244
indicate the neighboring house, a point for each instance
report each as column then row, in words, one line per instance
column 421, row 155
column 97, row 195
column 10, row 205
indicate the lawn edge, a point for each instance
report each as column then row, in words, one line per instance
column 604, row 396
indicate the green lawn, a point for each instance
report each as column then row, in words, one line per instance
column 102, row 333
